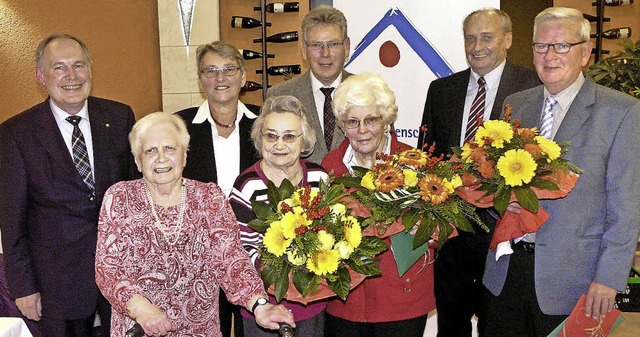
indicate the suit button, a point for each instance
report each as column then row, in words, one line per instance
column 92, row 197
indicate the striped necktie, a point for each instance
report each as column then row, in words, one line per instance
column 477, row 111
column 328, row 117
column 80, row 154
column 546, row 125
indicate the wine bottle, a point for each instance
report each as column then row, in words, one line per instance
column 282, row 70
column 280, row 37
column 616, row 33
column 251, row 86
column 604, row 51
column 246, row 22
column 281, row 7
column 593, row 18
column 250, row 54
column 617, row 2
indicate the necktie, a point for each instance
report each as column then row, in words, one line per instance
column 477, row 111
column 80, row 154
column 547, row 117
column 328, row 118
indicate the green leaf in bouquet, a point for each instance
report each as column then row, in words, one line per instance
column 443, row 235
column 340, row 285
column 544, row 184
column 262, row 210
column 359, row 171
column 363, row 264
column 270, row 268
column 312, row 285
column 301, row 280
column 286, row 189
column 527, row 198
column 332, row 195
column 410, row 218
column 461, row 222
column 259, row 225
column 426, row 229
column 371, row 246
column 501, row 199
column 273, row 194
column 281, row 284
column 348, row 181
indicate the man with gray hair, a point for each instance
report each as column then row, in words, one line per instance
column 453, row 108
column 587, row 244
column 325, row 46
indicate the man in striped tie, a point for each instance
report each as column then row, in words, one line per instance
column 455, row 105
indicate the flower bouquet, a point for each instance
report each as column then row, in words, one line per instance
column 313, row 247
column 408, row 188
column 506, row 163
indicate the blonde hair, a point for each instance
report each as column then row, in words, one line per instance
column 363, row 90
column 141, row 128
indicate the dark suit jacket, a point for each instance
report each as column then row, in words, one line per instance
column 444, row 109
column 300, row 87
column 592, row 233
column 48, row 215
column 201, row 161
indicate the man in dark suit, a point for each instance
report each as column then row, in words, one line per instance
column 448, row 118
column 587, row 244
column 49, row 209
column 325, row 46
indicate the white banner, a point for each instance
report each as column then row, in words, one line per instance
column 409, row 43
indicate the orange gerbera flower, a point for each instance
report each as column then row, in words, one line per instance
column 413, row 157
column 432, row 189
column 389, row 178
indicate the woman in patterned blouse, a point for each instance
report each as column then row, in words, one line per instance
column 166, row 244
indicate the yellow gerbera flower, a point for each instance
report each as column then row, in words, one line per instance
column 413, row 157
column 389, row 178
column 549, row 148
column 326, row 240
column 274, row 240
column 494, row 133
column 456, row 181
column 367, row 181
column 338, row 209
column 432, row 189
column 410, row 177
column 466, row 152
column 344, row 249
column 295, row 259
column 324, row 262
column 352, row 231
column 291, row 221
column 517, row 167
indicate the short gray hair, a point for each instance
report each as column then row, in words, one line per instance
column 54, row 36
column 505, row 20
column 572, row 15
column 365, row 89
column 284, row 104
column 141, row 128
column 324, row 15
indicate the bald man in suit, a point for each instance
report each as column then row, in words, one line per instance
column 49, row 203
column 460, row 264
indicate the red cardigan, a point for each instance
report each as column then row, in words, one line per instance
column 388, row 297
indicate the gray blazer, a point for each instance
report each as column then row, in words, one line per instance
column 591, row 234
column 300, row 87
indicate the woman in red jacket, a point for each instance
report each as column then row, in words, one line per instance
column 389, row 304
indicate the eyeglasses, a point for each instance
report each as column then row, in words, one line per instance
column 369, row 121
column 226, row 71
column 560, row 48
column 318, row 46
column 271, row 137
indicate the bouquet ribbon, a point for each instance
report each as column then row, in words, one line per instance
column 514, row 225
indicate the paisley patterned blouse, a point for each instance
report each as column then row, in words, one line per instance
column 134, row 257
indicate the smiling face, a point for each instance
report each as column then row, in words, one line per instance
column 365, row 140
column 559, row 71
column 160, row 157
column 485, row 42
column 281, row 154
column 326, row 64
column 65, row 73
column 221, row 89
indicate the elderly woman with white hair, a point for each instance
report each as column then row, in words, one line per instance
column 166, row 244
column 365, row 110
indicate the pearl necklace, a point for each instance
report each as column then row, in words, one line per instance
column 166, row 230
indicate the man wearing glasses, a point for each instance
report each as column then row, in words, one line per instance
column 587, row 244
column 325, row 46
column 453, row 108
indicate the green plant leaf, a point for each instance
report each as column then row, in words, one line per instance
column 527, row 198
column 410, row 218
column 443, row 235
column 544, row 184
column 348, row 181
column 281, row 284
column 425, row 231
column 332, row 195
column 301, row 280
column 262, row 210
column 462, row 223
column 286, row 189
column 340, row 285
column 363, row 264
column 258, row 225
column 372, row 245
column 273, row 195
column 501, row 199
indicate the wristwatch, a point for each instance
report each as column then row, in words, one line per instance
column 260, row 301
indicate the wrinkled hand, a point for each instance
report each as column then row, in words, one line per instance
column 600, row 300
column 30, row 306
column 269, row 315
column 153, row 320
column 514, row 207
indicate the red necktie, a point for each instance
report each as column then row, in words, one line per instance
column 477, row 111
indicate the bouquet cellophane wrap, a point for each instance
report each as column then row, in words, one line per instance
column 513, row 225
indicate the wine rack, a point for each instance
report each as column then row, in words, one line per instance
column 600, row 32
column 265, row 20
